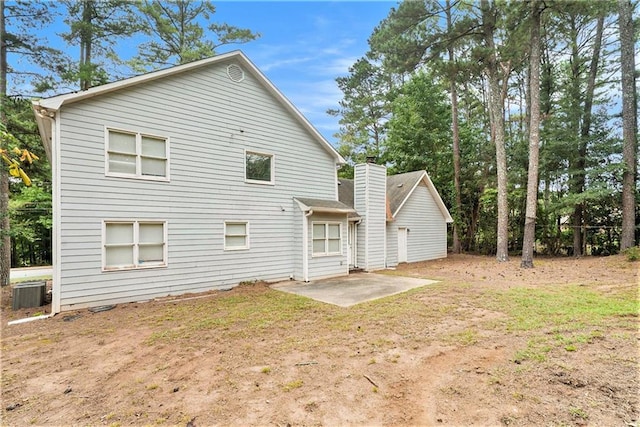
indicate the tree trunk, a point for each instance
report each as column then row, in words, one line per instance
column 534, row 140
column 576, row 161
column 496, row 118
column 85, row 46
column 5, row 239
column 456, row 139
column 629, row 124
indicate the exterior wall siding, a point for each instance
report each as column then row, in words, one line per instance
column 427, row 236
column 370, row 195
column 210, row 121
column 392, row 244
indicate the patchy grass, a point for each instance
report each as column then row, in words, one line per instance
column 562, row 317
column 31, row 279
column 292, row 385
column 567, row 307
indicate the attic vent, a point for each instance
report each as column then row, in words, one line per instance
column 235, row 73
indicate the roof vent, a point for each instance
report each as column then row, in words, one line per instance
column 235, row 73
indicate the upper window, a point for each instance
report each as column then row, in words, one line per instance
column 236, row 235
column 131, row 154
column 258, row 168
column 134, row 244
column 327, row 238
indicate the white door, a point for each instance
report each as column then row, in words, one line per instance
column 351, row 239
column 402, row 244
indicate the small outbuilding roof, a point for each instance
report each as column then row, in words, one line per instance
column 399, row 189
column 400, row 186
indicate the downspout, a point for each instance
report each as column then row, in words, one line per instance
column 355, row 242
column 305, row 245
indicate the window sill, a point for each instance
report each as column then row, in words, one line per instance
column 323, row 255
column 253, row 181
column 138, row 177
column 131, row 268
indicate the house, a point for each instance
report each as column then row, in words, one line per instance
column 199, row 177
column 405, row 219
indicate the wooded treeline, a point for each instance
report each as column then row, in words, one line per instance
column 521, row 112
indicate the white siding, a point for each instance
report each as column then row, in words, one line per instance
column 370, row 195
column 427, row 235
column 392, row 244
column 209, row 121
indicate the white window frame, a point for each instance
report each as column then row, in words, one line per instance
column 273, row 168
column 326, row 238
column 246, row 236
column 138, row 154
column 135, row 244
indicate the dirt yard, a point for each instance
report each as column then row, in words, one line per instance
column 490, row 344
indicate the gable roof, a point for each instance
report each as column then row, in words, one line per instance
column 401, row 186
column 46, row 108
column 399, row 189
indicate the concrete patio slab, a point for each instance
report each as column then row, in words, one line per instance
column 353, row 289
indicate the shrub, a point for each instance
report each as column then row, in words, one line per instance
column 633, row 254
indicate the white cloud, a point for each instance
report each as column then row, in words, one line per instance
column 285, row 62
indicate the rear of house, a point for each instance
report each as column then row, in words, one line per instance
column 203, row 176
column 185, row 180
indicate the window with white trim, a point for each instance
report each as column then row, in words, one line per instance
column 137, row 155
column 134, row 244
column 327, row 238
column 258, row 167
column 236, row 235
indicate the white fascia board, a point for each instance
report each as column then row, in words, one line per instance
column 54, row 103
column 434, row 193
column 415, row 184
column 437, row 198
column 293, row 110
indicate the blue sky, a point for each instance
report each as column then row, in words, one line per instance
column 305, row 46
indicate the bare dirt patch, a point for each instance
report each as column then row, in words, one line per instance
column 491, row 344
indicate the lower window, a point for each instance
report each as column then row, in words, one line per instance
column 236, row 235
column 327, row 238
column 134, row 244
